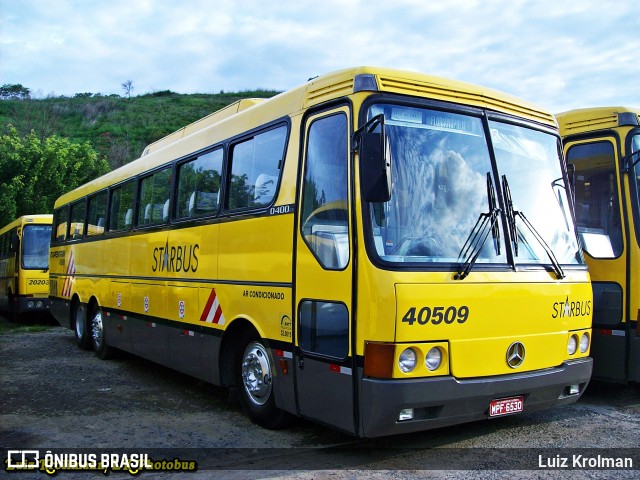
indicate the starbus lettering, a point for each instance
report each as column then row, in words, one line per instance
column 180, row 258
column 581, row 308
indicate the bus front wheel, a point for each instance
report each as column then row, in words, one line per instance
column 254, row 377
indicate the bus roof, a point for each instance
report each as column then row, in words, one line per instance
column 46, row 219
column 584, row 120
column 233, row 119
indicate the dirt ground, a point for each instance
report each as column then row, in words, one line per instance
column 56, row 396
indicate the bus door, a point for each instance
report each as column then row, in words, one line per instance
column 323, row 275
column 598, row 207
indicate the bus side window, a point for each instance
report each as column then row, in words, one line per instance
column 121, row 207
column 77, row 220
column 199, row 185
column 60, row 228
column 97, row 212
column 154, row 195
column 255, row 169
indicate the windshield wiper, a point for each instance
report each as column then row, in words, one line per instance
column 487, row 222
column 513, row 229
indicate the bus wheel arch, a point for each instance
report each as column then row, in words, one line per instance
column 80, row 324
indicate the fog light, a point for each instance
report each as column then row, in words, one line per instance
column 574, row 389
column 584, row 342
column 407, row 360
column 572, row 346
column 405, row 414
column 433, row 359
column 30, row 304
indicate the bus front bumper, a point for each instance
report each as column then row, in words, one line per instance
column 441, row 401
column 33, row 304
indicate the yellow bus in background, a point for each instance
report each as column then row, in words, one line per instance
column 379, row 251
column 24, row 265
column 602, row 148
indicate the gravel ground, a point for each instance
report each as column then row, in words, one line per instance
column 55, row 396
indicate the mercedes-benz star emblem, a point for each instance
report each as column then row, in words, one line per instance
column 515, row 354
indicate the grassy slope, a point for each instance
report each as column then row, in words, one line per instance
column 118, row 128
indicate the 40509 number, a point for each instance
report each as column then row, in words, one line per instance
column 436, row 315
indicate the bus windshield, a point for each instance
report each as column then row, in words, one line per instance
column 444, row 185
column 35, row 246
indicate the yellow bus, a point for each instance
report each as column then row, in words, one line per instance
column 379, row 251
column 24, row 265
column 602, row 148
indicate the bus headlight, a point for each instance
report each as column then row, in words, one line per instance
column 572, row 345
column 407, row 360
column 584, row 342
column 30, row 304
column 433, row 359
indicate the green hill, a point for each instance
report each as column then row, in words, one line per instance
column 117, row 127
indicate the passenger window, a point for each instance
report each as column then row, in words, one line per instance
column 324, row 328
column 255, row 169
column 61, row 223
column 77, row 220
column 121, row 207
column 325, row 224
column 199, row 185
column 97, row 214
column 153, row 204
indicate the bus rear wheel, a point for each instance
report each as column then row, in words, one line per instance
column 98, row 336
column 254, row 377
column 82, row 330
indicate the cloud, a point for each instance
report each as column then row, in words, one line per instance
column 558, row 54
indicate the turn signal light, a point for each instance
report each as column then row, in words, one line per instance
column 378, row 359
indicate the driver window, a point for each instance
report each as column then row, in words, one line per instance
column 325, row 226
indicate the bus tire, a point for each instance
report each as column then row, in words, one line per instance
column 98, row 336
column 13, row 308
column 81, row 328
column 254, row 378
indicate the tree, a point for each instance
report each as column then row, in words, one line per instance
column 35, row 172
column 14, row 91
column 128, row 88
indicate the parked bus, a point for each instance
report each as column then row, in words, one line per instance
column 24, row 265
column 379, row 251
column 602, row 148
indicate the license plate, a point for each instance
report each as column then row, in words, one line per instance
column 506, row 406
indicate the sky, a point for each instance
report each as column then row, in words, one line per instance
column 559, row 54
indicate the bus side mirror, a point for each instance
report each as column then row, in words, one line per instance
column 375, row 161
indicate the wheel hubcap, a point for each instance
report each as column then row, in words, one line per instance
column 256, row 373
column 97, row 329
